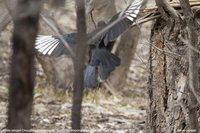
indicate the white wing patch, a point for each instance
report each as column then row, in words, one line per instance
column 133, row 10
column 46, row 44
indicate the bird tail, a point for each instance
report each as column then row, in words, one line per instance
column 90, row 77
column 102, row 62
column 108, row 63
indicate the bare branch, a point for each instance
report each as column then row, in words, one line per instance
column 144, row 20
column 166, row 10
column 58, row 34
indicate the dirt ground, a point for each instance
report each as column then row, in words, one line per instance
column 100, row 113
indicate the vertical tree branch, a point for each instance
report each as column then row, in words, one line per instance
column 193, row 65
column 22, row 66
column 79, row 65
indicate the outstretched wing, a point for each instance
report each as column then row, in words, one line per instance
column 53, row 46
column 126, row 19
column 120, row 23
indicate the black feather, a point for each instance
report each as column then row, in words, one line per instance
column 90, row 77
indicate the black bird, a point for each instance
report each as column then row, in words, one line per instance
column 101, row 60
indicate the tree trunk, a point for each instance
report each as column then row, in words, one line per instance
column 125, row 50
column 172, row 106
column 22, row 66
column 79, row 61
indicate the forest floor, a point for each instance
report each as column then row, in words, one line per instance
column 100, row 112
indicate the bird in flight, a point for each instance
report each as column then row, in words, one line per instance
column 101, row 61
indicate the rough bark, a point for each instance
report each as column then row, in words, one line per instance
column 194, row 68
column 172, row 104
column 22, row 66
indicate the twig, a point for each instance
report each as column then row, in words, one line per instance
column 58, row 34
column 92, row 18
column 174, row 5
column 115, row 47
column 109, row 87
column 153, row 11
column 190, row 46
column 98, row 34
column 141, row 21
column 169, row 52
